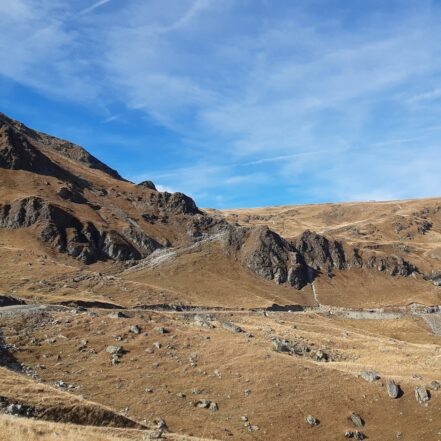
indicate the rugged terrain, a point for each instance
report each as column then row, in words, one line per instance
column 129, row 313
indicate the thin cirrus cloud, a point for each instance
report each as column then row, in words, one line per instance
column 307, row 100
column 93, row 7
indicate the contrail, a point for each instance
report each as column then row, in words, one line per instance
column 94, row 6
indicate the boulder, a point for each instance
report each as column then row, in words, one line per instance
column 135, row 329
column 232, row 327
column 115, row 350
column 356, row 420
column 312, row 421
column 393, row 389
column 369, row 376
column 421, row 394
column 434, row 385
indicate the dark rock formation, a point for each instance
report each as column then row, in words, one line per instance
column 270, row 256
column 72, row 194
column 435, row 278
column 173, row 203
column 148, row 184
column 17, row 153
column 393, row 265
column 319, row 252
column 145, row 244
column 66, row 148
column 67, row 234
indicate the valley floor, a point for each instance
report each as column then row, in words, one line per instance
column 179, row 359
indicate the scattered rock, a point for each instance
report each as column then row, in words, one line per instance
column 207, row 404
column 115, row 350
column 135, row 329
column 299, row 349
column 232, row 327
column 312, row 421
column 118, row 314
column 421, row 394
column 203, row 404
column 355, row 435
column 155, row 435
column 213, row 407
column 369, row 376
column 393, row 389
column 161, row 330
column 321, row 356
column 356, row 420
column 160, row 424
column 203, row 324
column 434, row 385
column 250, row 427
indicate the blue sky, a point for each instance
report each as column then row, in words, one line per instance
column 238, row 103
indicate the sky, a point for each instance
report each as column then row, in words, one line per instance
column 238, row 103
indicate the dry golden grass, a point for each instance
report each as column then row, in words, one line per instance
column 22, row 429
column 284, row 389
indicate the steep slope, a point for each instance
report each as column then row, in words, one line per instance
column 66, row 148
column 81, row 207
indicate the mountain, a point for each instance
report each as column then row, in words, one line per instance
column 85, row 209
column 136, row 309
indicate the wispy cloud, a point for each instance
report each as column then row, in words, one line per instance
column 279, row 95
column 426, row 96
column 289, row 157
column 93, row 7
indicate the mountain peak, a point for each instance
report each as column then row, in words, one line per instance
column 66, row 148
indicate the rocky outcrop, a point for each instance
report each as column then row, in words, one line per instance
column 149, row 185
column 72, row 194
column 66, row 148
column 145, row 244
column 17, row 153
column 67, row 234
column 320, row 252
column 392, row 265
column 298, row 263
column 173, row 203
column 435, row 278
column 270, row 256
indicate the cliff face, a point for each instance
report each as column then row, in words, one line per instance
column 299, row 262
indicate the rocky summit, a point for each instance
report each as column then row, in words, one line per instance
column 136, row 314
